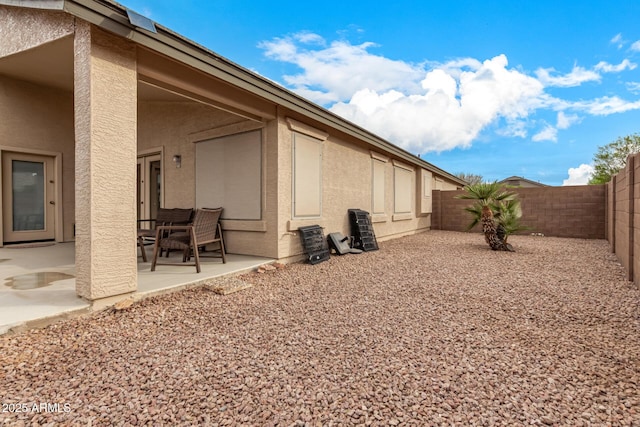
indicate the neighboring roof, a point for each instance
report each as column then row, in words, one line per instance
column 112, row 17
column 518, row 181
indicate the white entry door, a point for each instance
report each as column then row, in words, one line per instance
column 28, row 197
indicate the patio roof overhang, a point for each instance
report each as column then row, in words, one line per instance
column 113, row 17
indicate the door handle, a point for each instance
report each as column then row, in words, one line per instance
column 52, row 202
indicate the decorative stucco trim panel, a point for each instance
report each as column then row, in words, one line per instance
column 379, row 156
column 305, row 129
column 402, row 165
column 232, row 129
column 379, row 218
column 402, row 216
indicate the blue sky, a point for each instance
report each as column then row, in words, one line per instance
column 495, row 88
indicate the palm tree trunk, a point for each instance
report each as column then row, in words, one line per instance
column 490, row 232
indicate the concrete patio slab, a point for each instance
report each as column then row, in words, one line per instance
column 37, row 283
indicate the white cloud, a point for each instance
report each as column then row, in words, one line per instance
column 605, row 106
column 608, row 68
column 579, row 175
column 451, row 111
column 633, row 87
column 618, row 41
column 310, row 38
column 636, row 46
column 280, row 49
column 340, row 69
column 576, row 77
column 457, row 66
column 438, row 106
column 564, row 120
column 549, row 133
column 514, row 128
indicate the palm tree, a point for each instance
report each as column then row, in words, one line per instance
column 508, row 217
column 488, row 197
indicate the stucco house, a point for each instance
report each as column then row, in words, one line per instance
column 103, row 121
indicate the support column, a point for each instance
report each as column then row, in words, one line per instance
column 105, row 93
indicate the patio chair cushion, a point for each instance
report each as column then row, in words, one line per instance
column 165, row 216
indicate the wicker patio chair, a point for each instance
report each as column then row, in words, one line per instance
column 204, row 231
column 173, row 216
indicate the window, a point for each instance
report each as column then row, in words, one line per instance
column 229, row 175
column 403, row 188
column 425, row 201
column 377, row 171
column 307, row 176
column 378, row 182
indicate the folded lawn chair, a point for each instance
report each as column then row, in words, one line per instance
column 340, row 244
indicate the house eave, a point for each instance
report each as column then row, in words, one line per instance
column 35, row 4
column 112, row 17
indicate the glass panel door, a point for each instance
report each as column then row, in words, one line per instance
column 28, row 197
column 27, row 182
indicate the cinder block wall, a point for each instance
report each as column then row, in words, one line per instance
column 633, row 273
column 623, row 217
column 610, row 211
column 578, row 211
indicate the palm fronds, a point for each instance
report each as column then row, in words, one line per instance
column 494, row 205
column 486, row 192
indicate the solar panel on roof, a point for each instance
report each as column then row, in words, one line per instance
column 141, row 21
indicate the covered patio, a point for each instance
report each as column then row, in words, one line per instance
column 39, row 286
column 117, row 130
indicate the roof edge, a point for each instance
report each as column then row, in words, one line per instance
column 35, row 4
column 112, row 16
column 521, row 178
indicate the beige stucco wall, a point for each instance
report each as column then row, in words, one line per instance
column 39, row 119
column 346, row 183
column 441, row 183
column 105, row 128
column 22, row 29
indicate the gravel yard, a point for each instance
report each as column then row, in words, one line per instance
column 432, row 329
